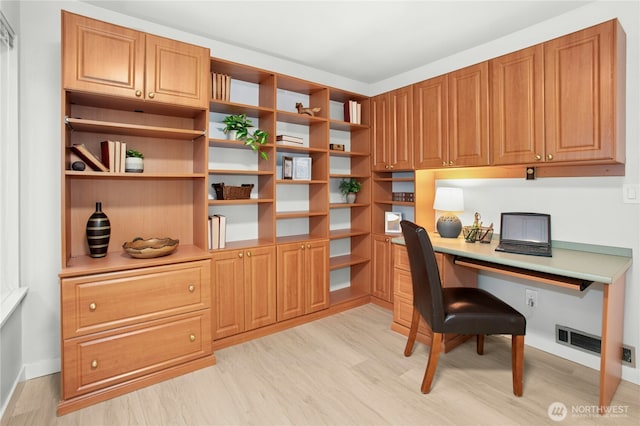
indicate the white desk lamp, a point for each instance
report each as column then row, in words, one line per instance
column 449, row 201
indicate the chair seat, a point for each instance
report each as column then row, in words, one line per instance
column 475, row 311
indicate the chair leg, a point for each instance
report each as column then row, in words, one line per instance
column 480, row 344
column 517, row 362
column 413, row 332
column 432, row 363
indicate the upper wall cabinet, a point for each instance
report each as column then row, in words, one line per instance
column 585, row 95
column 103, row 58
column 392, row 130
column 517, row 107
column 451, row 116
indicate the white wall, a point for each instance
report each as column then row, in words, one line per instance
column 575, row 203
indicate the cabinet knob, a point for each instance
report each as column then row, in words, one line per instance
column 302, row 246
column 391, row 166
column 240, row 254
column 192, row 337
column 549, row 156
column 308, row 246
column 444, row 163
column 192, row 288
column 92, row 306
column 451, row 163
column 152, row 95
column 138, row 93
column 248, row 254
column 386, row 240
column 538, row 157
column 94, row 363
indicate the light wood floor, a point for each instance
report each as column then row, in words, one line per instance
column 347, row 369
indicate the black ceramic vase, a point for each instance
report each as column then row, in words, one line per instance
column 98, row 232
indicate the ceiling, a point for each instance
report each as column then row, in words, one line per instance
column 367, row 41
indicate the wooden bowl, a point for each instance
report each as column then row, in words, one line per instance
column 153, row 247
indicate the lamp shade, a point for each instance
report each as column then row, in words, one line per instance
column 449, row 200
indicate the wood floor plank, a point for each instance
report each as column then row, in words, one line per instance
column 347, row 369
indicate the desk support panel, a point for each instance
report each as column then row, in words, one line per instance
column 559, row 280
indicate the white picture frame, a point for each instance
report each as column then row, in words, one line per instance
column 301, row 168
column 392, row 222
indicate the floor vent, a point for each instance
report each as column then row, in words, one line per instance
column 589, row 343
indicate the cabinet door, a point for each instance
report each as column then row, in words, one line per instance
column 431, row 140
column 259, row 287
column 401, row 126
column 290, row 280
column 468, row 116
column 227, row 274
column 380, row 133
column 517, row 107
column 580, row 102
column 101, row 58
column 176, row 72
column 317, row 276
column 382, row 264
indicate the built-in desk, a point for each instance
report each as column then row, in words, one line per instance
column 573, row 266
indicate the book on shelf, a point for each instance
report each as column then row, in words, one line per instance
column 352, row 112
column 289, row 140
column 220, row 86
column 87, row 156
column 217, row 231
column 113, row 154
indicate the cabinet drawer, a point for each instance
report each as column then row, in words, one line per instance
column 104, row 359
column 402, row 313
column 100, row 302
column 402, row 283
column 400, row 257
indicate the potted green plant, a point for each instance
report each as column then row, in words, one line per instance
column 134, row 161
column 349, row 188
column 237, row 126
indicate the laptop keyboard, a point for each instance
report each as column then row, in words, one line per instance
column 524, row 249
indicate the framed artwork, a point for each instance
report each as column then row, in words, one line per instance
column 287, row 167
column 302, row 168
column 392, row 222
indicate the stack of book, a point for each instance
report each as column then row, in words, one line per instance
column 217, row 231
column 352, row 112
column 220, row 86
column 113, row 155
column 289, row 140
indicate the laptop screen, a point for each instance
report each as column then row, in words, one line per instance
column 525, row 227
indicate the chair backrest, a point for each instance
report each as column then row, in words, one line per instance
column 425, row 276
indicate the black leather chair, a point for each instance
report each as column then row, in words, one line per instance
column 459, row 310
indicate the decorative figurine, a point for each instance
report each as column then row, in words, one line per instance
column 308, row 111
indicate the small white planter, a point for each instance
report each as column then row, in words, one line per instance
column 133, row 165
column 351, row 197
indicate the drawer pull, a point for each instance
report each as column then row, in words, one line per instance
column 192, row 337
column 192, row 288
column 152, row 95
column 92, row 307
column 240, row 254
column 248, row 254
column 94, row 363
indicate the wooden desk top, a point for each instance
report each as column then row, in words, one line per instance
column 574, row 263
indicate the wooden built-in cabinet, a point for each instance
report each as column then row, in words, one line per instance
column 450, row 119
column 244, row 290
column 561, row 102
column 585, row 96
column 382, row 281
column 302, row 278
column 282, row 211
column 392, row 130
column 517, row 107
column 139, row 65
column 450, row 275
column 126, row 322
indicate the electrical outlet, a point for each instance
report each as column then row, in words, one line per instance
column 531, row 298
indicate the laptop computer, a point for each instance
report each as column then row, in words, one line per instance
column 525, row 233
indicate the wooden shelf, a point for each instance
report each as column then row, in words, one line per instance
column 298, row 214
column 243, row 201
column 339, row 262
column 96, row 126
column 337, row 234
